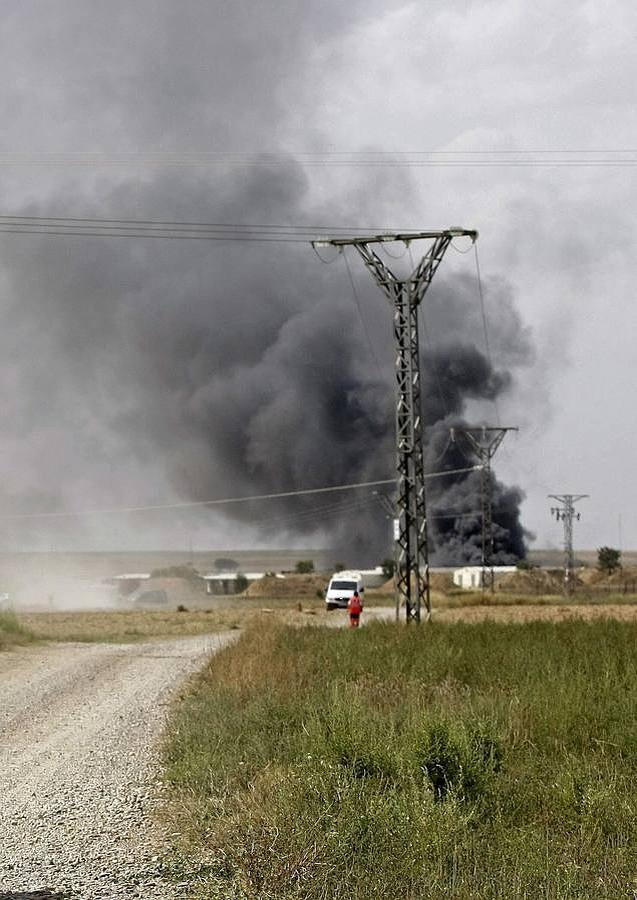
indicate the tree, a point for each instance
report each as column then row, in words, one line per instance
column 609, row 559
column 241, row 583
column 388, row 566
column 305, row 566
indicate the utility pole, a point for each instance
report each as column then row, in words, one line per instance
column 405, row 296
column 566, row 513
column 484, row 441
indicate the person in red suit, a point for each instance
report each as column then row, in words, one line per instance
column 355, row 608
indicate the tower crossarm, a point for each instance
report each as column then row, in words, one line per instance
column 567, row 498
column 423, row 274
column 381, row 273
column 484, row 440
column 390, row 237
column 421, row 277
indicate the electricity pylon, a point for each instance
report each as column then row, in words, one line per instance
column 484, row 441
column 405, row 296
column 566, row 513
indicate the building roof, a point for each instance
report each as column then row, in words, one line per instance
column 132, row 576
column 232, row 576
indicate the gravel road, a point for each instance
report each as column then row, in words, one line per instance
column 78, row 766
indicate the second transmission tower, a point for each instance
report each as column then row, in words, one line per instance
column 484, row 441
column 566, row 513
column 405, row 296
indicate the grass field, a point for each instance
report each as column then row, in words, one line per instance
column 466, row 761
column 12, row 631
column 139, row 624
column 126, row 625
column 129, row 625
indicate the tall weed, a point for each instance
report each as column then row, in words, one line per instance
column 11, row 630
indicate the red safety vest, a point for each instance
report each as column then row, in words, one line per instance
column 354, row 605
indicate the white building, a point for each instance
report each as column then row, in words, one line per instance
column 470, row 577
column 226, row 582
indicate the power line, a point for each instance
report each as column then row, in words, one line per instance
column 224, row 226
column 303, row 516
column 484, row 325
column 63, row 226
column 224, row 501
column 155, row 234
column 487, row 158
column 430, row 353
column 361, row 316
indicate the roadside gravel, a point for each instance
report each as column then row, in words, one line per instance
column 79, row 771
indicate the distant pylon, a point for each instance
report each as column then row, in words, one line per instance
column 566, row 513
column 484, row 441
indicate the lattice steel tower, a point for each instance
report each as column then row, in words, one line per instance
column 566, row 513
column 405, row 296
column 484, row 441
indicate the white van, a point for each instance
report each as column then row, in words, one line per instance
column 341, row 587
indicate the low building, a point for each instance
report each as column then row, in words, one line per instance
column 373, row 577
column 222, row 583
column 470, row 577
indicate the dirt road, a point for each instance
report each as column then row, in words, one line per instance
column 78, row 768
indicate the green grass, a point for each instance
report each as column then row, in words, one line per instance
column 464, row 761
column 12, row 632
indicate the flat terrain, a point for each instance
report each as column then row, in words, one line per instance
column 554, row 612
column 127, row 625
column 131, row 626
column 78, row 769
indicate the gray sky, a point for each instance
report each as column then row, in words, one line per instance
column 151, row 78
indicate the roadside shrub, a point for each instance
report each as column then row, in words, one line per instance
column 388, row 566
column 458, row 762
column 241, row 583
column 12, row 631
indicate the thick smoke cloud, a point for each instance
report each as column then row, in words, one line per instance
column 134, row 371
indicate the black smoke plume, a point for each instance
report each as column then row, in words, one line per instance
column 136, row 371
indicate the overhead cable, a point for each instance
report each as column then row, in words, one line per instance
column 169, row 229
column 485, row 158
column 430, row 356
column 226, row 501
column 359, row 307
column 484, row 325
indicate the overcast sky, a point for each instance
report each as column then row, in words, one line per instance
column 150, row 78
